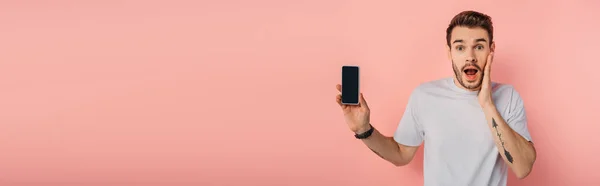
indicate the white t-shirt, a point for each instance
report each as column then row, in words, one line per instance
column 459, row 145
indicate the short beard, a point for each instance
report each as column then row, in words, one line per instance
column 457, row 74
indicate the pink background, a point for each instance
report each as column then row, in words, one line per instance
column 243, row 92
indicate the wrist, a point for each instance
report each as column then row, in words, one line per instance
column 366, row 134
column 488, row 104
column 489, row 108
column 363, row 129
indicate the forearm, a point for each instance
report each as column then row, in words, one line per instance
column 386, row 148
column 516, row 151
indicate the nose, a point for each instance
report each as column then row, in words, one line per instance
column 471, row 57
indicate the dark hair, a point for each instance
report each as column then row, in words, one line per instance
column 471, row 19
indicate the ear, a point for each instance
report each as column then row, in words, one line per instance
column 448, row 52
column 493, row 46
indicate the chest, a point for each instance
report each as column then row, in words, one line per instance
column 452, row 124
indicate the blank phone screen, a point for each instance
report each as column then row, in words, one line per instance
column 350, row 80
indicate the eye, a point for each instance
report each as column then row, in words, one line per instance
column 479, row 47
column 459, row 48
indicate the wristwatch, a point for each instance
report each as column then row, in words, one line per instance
column 365, row 134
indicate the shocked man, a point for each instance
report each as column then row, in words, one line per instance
column 474, row 129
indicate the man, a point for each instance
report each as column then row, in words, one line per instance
column 474, row 129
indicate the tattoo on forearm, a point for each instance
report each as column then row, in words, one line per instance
column 506, row 153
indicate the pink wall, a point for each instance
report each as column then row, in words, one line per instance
column 242, row 92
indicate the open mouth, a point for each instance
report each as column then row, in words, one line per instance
column 471, row 73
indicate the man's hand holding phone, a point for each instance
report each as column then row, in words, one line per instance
column 356, row 116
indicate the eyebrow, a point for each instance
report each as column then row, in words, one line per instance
column 477, row 40
column 480, row 39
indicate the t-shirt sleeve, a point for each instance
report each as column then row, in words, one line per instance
column 517, row 117
column 409, row 131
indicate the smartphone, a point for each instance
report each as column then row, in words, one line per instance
column 350, row 82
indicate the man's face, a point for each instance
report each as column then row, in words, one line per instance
column 468, row 51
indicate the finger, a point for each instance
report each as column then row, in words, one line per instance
column 338, row 87
column 338, row 99
column 362, row 101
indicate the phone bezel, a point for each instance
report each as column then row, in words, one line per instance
column 357, row 86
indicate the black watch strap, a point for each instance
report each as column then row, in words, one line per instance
column 365, row 134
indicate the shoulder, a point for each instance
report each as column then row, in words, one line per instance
column 507, row 96
column 505, row 90
column 433, row 87
column 430, row 85
column 426, row 90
